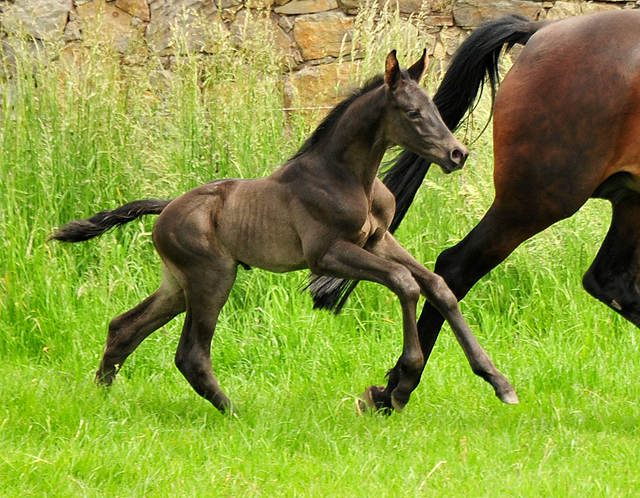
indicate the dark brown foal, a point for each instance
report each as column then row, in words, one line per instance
column 324, row 210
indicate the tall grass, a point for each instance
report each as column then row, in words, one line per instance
column 85, row 132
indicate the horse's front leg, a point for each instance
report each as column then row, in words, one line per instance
column 435, row 289
column 347, row 260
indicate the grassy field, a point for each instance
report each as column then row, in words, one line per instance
column 78, row 138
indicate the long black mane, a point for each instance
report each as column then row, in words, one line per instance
column 335, row 114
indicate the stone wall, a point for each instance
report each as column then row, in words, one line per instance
column 310, row 34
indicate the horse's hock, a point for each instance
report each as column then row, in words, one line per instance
column 311, row 35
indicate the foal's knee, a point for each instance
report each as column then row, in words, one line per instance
column 405, row 286
column 591, row 285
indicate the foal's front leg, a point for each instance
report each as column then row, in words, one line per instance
column 347, row 260
column 442, row 298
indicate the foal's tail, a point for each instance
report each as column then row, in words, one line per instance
column 475, row 62
column 79, row 230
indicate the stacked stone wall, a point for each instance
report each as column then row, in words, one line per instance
column 310, row 34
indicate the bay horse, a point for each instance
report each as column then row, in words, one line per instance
column 324, row 209
column 566, row 121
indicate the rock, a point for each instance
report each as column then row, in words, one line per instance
column 323, row 34
column 28, row 52
column 100, row 20
column 73, row 31
column 410, row 6
column 306, row 7
column 136, row 8
column 451, row 38
column 259, row 4
column 430, row 43
column 319, row 86
column 230, row 4
column 560, row 10
column 284, row 22
column 438, row 20
column 192, row 18
column 241, row 30
column 350, row 6
column 470, row 13
column 41, row 19
column 404, row 6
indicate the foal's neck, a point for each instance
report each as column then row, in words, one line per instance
column 358, row 142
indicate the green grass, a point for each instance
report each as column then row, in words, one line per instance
column 78, row 139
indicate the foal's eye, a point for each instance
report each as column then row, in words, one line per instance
column 413, row 114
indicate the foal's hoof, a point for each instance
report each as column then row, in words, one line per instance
column 397, row 404
column 105, row 378
column 230, row 410
column 374, row 399
column 508, row 396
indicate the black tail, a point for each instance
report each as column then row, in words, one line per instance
column 475, row 61
column 79, row 230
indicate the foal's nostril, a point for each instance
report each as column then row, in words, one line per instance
column 458, row 156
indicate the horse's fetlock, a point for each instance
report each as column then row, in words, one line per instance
column 481, row 371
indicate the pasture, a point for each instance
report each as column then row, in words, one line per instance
column 78, row 138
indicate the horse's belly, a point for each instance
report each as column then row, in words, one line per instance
column 257, row 230
column 276, row 254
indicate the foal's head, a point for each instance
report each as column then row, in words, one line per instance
column 413, row 120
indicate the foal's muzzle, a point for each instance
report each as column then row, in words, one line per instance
column 458, row 156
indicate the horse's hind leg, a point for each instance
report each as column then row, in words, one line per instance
column 614, row 276
column 206, row 291
column 128, row 330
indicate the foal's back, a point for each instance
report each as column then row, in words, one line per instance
column 245, row 220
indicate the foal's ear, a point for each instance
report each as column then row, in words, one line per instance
column 416, row 72
column 392, row 70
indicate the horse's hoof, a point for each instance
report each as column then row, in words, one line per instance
column 397, row 404
column 232, row 410
column 508, row 397
column 104, row 379
column 366, row 402
column 374, row 399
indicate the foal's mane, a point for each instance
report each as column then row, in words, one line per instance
column 335, row 114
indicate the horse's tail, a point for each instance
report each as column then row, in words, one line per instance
column 474, row 62
column 79, row 230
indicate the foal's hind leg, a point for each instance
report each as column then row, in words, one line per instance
column 128, row 330
column 614, row 276
column 207, row 290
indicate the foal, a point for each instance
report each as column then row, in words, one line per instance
column 324, row 210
